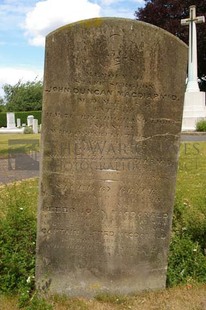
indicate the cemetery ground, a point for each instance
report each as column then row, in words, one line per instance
column 186, row 277
column 4, row 141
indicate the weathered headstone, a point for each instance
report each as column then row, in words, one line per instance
column 30, row 119
column 18, row 121
column 35, row 125
column 10, row 118
column 112, row 112
column 11, row 125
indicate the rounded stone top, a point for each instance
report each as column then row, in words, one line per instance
column 114, row 21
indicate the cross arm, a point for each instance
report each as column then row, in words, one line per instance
column 200, row 19
column 197, row 20
column 185, row 22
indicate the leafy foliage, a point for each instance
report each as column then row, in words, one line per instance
column 2, row 119
column 186, row 262
column 2, row 105
column 23, row 96
column 186, row 258
column 201, row 125
column 17, row 242
column 167, row 15
column 17, row 246
column 28, row 130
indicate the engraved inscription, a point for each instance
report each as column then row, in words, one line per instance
column 110, row 135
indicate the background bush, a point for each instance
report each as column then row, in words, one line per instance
column 201, row 125
column 2, row 119
column 17, row 240
column 28, row 130
column 187, row 260
column 23, row 96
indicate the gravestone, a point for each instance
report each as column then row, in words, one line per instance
column 30, row 119
column 18, row 122
column 11, row 125
column 10, row 118
column 112, row 113
column 35, row 125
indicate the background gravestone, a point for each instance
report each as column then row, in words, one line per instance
column 30, row 119
column 112, row 112
column 35, row 125
column 18, row 121
column 10, row 117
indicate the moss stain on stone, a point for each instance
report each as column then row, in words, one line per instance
column 88, row 23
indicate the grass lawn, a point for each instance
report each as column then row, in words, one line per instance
column 5, row 142
column 191, row 179
column 191, row 190
column 178, row 298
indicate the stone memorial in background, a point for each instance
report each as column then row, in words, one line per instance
column 194, row 102
column 18, row 121
column 112, row 113
column 30, row 119
column 35, row 125
column 10, row 120
column 11, row 125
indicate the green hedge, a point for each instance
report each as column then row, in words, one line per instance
column 21, row 115
column 2, row 119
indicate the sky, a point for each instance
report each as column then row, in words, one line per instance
column 25, row 23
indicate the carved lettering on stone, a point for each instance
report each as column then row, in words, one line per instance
column 112, row 112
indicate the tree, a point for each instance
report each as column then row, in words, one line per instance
column 23, row 96
column 2, row 105
column 167, row 15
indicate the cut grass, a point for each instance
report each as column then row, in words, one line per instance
column 8, row 302
column 4, row 138
column 178, row 298
column 191, row 179
column 191, row 188
column 192, row 168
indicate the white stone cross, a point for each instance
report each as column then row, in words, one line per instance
column 192, row 84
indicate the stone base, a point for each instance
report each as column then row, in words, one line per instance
column 194, row 110
column 10, row 131
column 85, row 284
